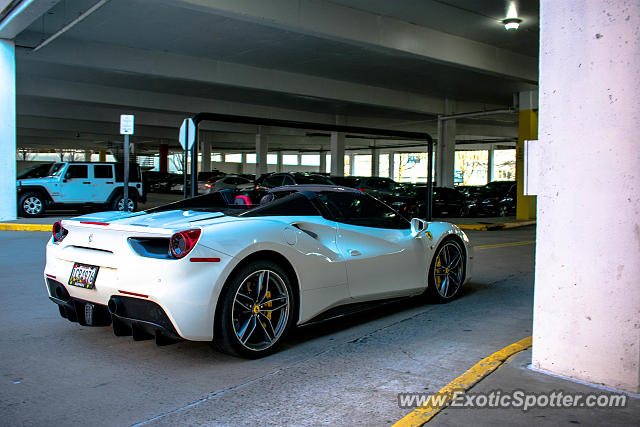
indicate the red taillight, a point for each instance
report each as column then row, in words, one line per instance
column 361, row 189
column 208, row 185
column 59, row 232
column 183, row 241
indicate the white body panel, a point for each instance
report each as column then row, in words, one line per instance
column 188, row 292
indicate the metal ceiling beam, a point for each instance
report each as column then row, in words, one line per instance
column 20, row 14
column 71, row 24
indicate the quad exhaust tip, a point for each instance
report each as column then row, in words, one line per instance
column 115, row 306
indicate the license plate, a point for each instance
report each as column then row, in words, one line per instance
column 83, row 276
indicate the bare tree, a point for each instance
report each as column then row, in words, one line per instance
column 24, row 154
column 471, row 161
column 177, row 161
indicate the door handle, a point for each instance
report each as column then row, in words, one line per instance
column 354, row 252
column 86, row 182
column 109, row 182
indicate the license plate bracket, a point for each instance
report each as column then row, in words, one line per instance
column 83, row 275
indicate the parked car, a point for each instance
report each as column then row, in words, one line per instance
column 76, row 185
column 411, row 202
column 468, row 190
column 345, row 181
column 244, row 278
column 255, row 191
column 228, row 182
column 376, row 186
column 38, row 171
column 160, row 182
column 497, row 198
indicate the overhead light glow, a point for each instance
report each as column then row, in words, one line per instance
column 512, row 22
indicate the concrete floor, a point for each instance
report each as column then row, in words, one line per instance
column 345, row 372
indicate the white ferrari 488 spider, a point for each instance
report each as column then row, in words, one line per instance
column 205, row 269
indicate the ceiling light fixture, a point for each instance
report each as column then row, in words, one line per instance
column 512, row 22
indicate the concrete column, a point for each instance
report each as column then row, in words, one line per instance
column 352, row 164
column 585, row 164
column 102, row 155
column 392, row 164
column 323, row 162
column 243, row 162
column 279, row 167
column 261, row 151
column 163, row 152
column 87, row 155
column 337, row 154
column 375, row 162
column 527, row 130
column 206, row 156
column 446, row 148
column 7, row 130
column 490, row 163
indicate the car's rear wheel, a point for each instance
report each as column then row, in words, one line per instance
column 118, row 204
column 503, row 210
column 31, row 205
column 446, row 273
column 256, row 312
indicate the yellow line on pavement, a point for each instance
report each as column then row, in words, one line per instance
column 25, row 227
column 424, row 413
column 503, row 245
column 496, row 226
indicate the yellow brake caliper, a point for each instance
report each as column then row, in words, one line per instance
column 269, row 305
column 438, row 279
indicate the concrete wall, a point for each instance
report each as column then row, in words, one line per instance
column 587, row 279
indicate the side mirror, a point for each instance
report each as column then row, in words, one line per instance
column 418, row 226
column 67, row 175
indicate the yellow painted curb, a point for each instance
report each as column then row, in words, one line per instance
column 503, row 245
column 497, row 226
column 472, row 227
column 25, row 227
column 464, row 382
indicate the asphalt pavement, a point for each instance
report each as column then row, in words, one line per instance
column 345, row 372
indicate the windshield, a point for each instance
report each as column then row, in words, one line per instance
column 56, row 169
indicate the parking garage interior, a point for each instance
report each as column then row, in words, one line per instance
column 549, row 105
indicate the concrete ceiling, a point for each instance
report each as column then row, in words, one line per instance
column 372, row 62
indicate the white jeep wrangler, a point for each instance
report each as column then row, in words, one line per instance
column 78, row 185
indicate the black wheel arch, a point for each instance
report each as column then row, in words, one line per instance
column 42, row 191
column 262, row 255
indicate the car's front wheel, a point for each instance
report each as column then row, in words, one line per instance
column 118, row 204
column 446, row 273
column 31, row 205
column 256, row 310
